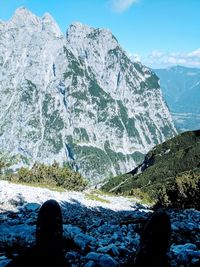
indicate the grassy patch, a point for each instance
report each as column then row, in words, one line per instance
column 99, row 192
column 51, row 187
column 95, row 197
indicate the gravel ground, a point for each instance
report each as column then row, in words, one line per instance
column 104, row 233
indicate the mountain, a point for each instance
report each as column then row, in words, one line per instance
column 175, row 163
column 181, row 90
column 77, row 99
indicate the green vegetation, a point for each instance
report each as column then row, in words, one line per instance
column 56, row 143
column 54, row 121
column 99, row 96
column 115, row 121
column 34, row 122
column 3, row 166
column 30, row 93
column 102, row 160
column 81, row 134
column 184, row 192
column 92, row 158
column 75, row 67
column 80, row 95
column 152, row 82
column 116, row 158
column 48, row 102
column 129, row 123
column 95, row 197
column 7, row 160
column 102, row 193
column 53, row 124
column 51, row 187
column 116, row 51
column 94, row 34
column 170, row 173
column 143, row 196
column 138, row 67
column 52, row 176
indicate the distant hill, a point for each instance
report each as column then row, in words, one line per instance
column 181, row 90
column 169, row 166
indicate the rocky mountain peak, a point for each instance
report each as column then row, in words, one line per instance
column 23, row 17
column 50, row 24
column 79, row 100
column 84, row 40
column 79, row 29
column 23, row 12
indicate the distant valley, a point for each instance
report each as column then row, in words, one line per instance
column 181, row 90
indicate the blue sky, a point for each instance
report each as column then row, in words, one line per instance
column 158, row 32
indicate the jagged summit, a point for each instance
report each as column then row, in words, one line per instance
column 78, row 99
column 23, row 12
column 23, row 16
column 92, row 45
column 78, row 27
column 81, row 34
column 50, row 24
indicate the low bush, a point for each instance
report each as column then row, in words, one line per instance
column 183, row 193
column 49, row 174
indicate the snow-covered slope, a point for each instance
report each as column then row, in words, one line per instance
column 76, row 99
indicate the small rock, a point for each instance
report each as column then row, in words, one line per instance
column 196, row 262
column 106, row 260
column 93, row 256
column 4, row 262
column 82, row 240
column 90, row 264
column 115, row 236
column 124, row 228
column 70, row 231
column 111, row 249
column 179, row 248
column 105, row 228
column 70, row 256
column 32, row 206
column 185, row 253
column 103, row 260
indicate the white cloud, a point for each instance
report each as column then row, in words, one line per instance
column 134, row 57
column 121, row 5
column 159, row 59
column 195, row 53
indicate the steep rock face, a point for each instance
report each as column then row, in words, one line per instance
column 31, row 107
column 77, row 99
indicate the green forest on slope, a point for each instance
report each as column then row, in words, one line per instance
column 170, row 173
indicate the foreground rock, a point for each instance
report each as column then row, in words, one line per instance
column 96, row 232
